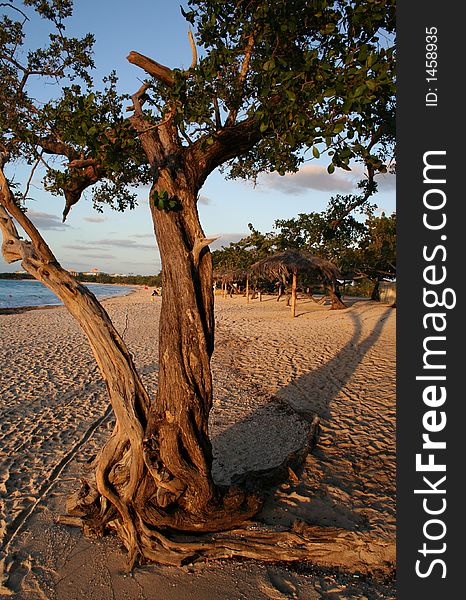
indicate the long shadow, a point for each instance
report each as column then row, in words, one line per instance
column 336, row 372
column 311, row 499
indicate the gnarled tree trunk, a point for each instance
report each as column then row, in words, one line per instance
column 154, row 474
column 331, row 289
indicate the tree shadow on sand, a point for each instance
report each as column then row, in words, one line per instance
column 342, row 483
column 328, row 380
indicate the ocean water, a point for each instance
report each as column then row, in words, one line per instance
column 28, row 292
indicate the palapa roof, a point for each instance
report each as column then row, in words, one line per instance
column 295, row 261
column 230, row 276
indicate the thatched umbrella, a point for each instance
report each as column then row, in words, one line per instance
column 292, row 262
column 228, row 277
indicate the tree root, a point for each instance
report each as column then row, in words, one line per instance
column 151, row 534
column 324, row 547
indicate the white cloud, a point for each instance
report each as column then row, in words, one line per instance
column 315, row 177
column 310, row 177
column 150, row 236
column 386, row 182
column 225, row 239
column 122, row 243
column 46, row 221
column 93, row 245
column 95, row 219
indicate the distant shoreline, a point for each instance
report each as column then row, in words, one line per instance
column 16, row 310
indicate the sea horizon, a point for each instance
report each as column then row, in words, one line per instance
column 23, row 293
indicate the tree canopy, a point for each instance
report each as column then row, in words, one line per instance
column 361, row 249
column 274, row 85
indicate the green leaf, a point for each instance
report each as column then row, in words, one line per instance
column 331, row 168
column 315, row 152
column 371, row 59
column 360, row 90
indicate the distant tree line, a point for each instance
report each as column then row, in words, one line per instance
column 15, row 276
column 149, row 280
column 363, row 249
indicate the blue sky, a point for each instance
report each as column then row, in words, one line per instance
column 117, row 242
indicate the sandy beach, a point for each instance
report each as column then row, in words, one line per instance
column 271, row 374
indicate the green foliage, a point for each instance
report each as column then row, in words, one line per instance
column 162, row 201
column 362, row 249
column 15, row 276
column 378, row 248
column 83, row 123
column 242, row 254
column 306, row 75
column 149, row 280
column 91, row 123
column 320, row 73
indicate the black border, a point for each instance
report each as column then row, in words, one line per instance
column 422, row 128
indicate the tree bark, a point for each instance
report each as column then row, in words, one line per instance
column 177, row 430
column 154, row 473
column 186, row 342
column 334, row 295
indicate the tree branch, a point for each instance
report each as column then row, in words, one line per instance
column 152, row 67
column 193, row 49
column 31, row 175
column 7, row 5
column 11, row 246
column 138, row 99
column 241, row 79
column 81, row 163
column 53, row 146
column 228, row 143
column 73, row 191
column 360, row 199
column 218, row 121
column 13, row 243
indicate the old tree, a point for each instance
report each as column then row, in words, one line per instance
column 273, row 82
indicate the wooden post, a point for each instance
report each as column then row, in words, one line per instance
column 293, row 296
column 247, row 289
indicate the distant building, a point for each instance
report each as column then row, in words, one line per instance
column 94, row 272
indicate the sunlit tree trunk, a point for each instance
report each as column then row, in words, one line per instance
column 331, row 289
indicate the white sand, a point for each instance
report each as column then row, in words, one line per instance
column 340, row 365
